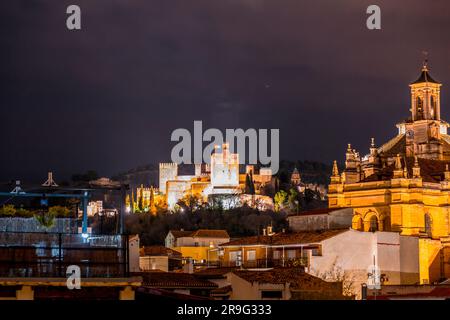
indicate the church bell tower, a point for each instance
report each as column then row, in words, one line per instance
column 423, row 131
column 425, row 97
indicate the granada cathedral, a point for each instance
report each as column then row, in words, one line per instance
column 404, row 184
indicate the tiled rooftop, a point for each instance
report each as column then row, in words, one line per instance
column 296, row 277
column 286, row 238
column 174, row 280
column 201, row 233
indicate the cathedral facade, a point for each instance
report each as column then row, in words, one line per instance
column 404, row 184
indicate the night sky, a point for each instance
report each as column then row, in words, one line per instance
column 107, row 97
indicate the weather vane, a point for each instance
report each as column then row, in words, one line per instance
column 425, row 59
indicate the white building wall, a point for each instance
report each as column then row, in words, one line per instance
column 353, row 252
column 148, row 263
column 133, row 247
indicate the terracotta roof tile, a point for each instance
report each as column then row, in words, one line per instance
column 222, row 290
column 210, row 233
column 201, row 233
column 430, row 170
column 180, row 233
column 158, row 251
column 286, row 238
column 315, row 211
column 174, row 280
column 296, row 277
column 396, row 145
column 214, row 272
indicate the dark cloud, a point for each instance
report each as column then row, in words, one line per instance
column 107, row 97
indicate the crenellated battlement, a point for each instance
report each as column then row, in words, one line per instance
column 168, row 165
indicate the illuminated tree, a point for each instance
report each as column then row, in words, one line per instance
column 280, row 200
column 293, row 200
column 141, row 199
column 152, row 205
column 59, row 211
column 248, row 184
column 8, row 210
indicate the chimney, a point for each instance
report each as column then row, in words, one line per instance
column 189, row 266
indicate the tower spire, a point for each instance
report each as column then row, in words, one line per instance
column 446, row 173
column 425, row 61
column 335, row 177
column 416, row 168
column 335, row 169
column 398, row 170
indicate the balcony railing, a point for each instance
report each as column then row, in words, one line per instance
column 49, row 255
column 267, row 263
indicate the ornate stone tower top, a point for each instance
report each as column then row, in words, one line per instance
column 295, row 177
column 425, row 97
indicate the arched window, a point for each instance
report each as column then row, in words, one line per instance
column 419, row 108
column 433, row 107
column 358, row 223
column 373, row 223
column 428, row 224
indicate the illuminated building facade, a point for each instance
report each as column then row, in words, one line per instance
column 221, row 177
column 404, row 185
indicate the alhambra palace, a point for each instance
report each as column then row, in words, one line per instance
column 220, row 180
column 404, row 184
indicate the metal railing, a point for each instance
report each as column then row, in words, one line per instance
column 267, row 263
column 49, row 255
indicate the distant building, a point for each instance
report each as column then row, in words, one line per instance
column 295, row 177
column 173, row 235
column 200, row 246
column 282, row 284
column 159, row 258
column 105, row 262
column 97, row 208
column 344, row 253
column 219, row 181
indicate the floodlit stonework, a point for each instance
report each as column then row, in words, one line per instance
column 220, row 179
column 404, row 184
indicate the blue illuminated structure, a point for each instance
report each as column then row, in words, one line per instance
column 84, row 196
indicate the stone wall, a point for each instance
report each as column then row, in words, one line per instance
column 339, row 219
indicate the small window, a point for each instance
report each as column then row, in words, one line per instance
column 316, row 251
column 251, row 255
column 419, row 106
column 433, row 106
column 291, row 254
column 373, row 224
column 235, row 258
column 271, row 294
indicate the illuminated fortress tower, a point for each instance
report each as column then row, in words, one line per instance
column 167, row 171
column 224, row 170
